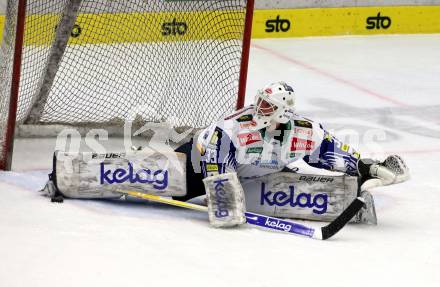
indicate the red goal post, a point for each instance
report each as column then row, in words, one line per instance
column 83, row 63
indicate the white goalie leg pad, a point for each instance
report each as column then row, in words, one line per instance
column 300, row 196
column 95, row 175
column 226, row 205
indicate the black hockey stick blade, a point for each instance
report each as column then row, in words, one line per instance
column 337, row 224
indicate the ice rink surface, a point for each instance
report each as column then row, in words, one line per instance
column 379, row 93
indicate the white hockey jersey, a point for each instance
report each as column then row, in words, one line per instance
column 230, row 145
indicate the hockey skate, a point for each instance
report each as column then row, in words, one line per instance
column 368, row 213
column 51, row 191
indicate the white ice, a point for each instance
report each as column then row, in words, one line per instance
column 379, row 93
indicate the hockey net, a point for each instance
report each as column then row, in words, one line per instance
column 98, row 63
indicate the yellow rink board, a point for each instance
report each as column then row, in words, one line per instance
column 347, row 21
column 138, row 27
column 267, row 24
column 2, row 22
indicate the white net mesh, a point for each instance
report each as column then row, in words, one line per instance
column 143, row 60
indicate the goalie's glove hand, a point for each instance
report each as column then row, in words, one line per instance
column 374, row 173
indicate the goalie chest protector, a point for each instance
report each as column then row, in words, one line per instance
column 99, row 175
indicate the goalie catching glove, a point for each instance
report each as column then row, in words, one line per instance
column 374, row 173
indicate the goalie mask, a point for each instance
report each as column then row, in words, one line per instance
column 274, row 104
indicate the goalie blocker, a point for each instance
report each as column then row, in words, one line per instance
column 282, row 194
column 225, row 196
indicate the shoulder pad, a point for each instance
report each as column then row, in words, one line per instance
column 240, row 113
column 303, row 123
column 245, row 118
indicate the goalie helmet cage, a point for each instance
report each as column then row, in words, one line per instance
column 98, row 63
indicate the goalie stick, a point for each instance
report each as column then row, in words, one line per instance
column 269, row 222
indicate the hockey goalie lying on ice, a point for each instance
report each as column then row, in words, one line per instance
column 244, row 161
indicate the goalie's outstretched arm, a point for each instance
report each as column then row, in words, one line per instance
column 332, row 154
